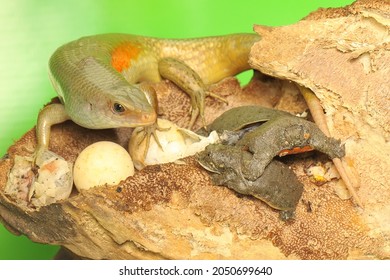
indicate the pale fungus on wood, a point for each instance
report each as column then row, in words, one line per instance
column 174, row 211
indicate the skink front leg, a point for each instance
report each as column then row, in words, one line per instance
column 150, row 131
column 190, row 82
column 48, row 116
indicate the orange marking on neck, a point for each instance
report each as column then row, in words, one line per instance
column 295, row 150
column 122, row 56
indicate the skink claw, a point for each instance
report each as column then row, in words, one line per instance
column 148, row 132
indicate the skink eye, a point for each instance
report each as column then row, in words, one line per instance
column 118, row 108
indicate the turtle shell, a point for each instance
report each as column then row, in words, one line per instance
column 278, row 187
column 240, row 117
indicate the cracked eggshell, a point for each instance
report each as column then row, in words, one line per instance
column 176, row 142
column 53, row 181
column 102, row 163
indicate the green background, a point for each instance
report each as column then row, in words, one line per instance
column 31, row 30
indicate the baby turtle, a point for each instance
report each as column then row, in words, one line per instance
column 253, row 136
column 277, row 186
column 266, row 133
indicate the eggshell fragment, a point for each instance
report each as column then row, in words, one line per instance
column 102, row 163
column 52, row 181
column 322, row 173
column 176, row 143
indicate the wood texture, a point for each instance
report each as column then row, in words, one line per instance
column 173, row 211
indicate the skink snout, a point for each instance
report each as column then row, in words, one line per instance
column 148, row 118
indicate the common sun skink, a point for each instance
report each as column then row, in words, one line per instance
column 100, row 79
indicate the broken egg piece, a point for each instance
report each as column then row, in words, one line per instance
column 53, row 181
column 102, row 163
column 322, row 173
column 176, row 143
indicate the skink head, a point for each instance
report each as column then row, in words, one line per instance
column 119, row 107
column 97, row 96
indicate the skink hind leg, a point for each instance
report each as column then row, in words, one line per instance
column 319, row 118
column 50, row 115
column 190, row 82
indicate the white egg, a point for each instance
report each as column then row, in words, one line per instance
column 102, row 163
